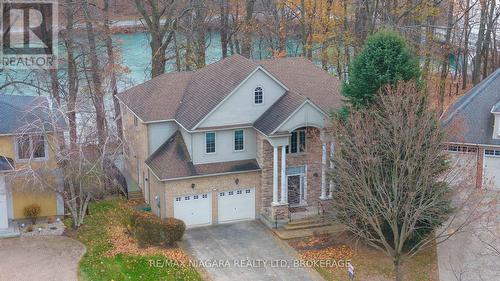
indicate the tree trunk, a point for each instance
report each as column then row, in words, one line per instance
column 465, row 66
column 326, row 30
column 224, row 25
column 487, row 41
column 97, row 91
column 397, row 269
column 246, row 44
column 476, row 72
column 111, row 63
column 446, row 62
column 72, row 74
column 200, row 32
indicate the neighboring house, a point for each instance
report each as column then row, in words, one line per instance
column 474, row 123
column 22, row 144
column 236, row 140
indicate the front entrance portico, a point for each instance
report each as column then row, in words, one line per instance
column 292, row 183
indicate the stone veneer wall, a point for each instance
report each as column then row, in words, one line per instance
column 311, row 158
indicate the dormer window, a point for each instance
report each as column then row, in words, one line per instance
column 258, row 95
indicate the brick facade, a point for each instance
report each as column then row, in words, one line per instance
column 311, row 158
column 479, row 167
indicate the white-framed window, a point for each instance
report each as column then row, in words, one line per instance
column 239, row 140
column 31, row 147
column 204, row 196
column 297, row 142
column 210, row 142
column 460, row 148
column 258, row 95
column 492, row 152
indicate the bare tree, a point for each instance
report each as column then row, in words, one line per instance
column 78, row 174
column 161, row 19
column 392, row 176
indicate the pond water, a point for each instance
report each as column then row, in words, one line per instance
column 136, row 57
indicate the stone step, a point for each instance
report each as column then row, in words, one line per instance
column 305, row 225
column 305, row 221
column 300, row 233
column 135, row 195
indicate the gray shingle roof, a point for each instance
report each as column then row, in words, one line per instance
column 189, row 96
column 470, row 117
column 26, row 113
column 278, row 112
column 171, row 160
column 6, row 164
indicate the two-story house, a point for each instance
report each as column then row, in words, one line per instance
column 26, row 139
column 235, row 140
column 474, row 125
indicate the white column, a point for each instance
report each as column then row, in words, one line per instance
column 332, row 151
column 323, row 172
column 284, row 187
column 275, row 175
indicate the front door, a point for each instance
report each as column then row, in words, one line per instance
column 4, row 219
column 294, row 190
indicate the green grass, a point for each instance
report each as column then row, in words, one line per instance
column 95, row 265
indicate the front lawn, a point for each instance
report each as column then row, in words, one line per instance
column 369, row 264
column 113, row 255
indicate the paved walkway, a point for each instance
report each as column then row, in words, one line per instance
column 48, row 258
column 474, row 253
column 238, row 251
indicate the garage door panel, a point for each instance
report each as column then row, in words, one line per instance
column 491, row 172
column 236, row 205
column 194, row 210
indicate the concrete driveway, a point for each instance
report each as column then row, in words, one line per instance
column 474, row 253
column 50, row 258
column 245, row 251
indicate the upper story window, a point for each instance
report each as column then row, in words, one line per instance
column 297, row 142
column 239, row 140
column 30, row 147
column 258, row 95
column 210, row 142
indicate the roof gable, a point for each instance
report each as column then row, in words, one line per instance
column 209, row 86
column 238, row 107
column 471, row 114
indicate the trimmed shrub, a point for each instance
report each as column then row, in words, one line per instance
column 32, row 212
column 151, row 230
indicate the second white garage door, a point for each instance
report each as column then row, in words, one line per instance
column 194, row 210
column 236, row 205
column 491, row 171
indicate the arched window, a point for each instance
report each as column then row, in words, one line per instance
column 258, row 96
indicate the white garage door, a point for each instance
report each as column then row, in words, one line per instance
column 194, row 210
column 236, row 205
column 491, row 171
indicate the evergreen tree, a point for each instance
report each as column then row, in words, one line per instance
column 384, row 59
